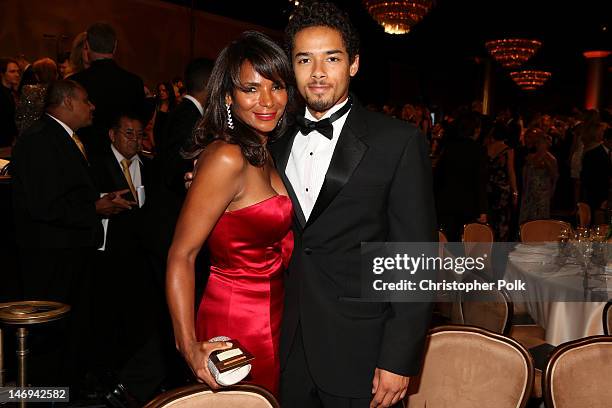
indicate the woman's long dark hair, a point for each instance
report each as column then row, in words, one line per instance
column 270, row 61
column 169, row 91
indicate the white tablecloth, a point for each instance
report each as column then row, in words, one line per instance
column 547, row 283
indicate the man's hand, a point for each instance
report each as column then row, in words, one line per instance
column 388, row 388
column 112, row 203
column 189, row 176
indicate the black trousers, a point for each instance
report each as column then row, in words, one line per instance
column 60, row 351
column 298, row 389
column 127, row 309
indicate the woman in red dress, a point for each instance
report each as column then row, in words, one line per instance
column 238, row 205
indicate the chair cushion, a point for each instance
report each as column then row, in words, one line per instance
column 466, row 370
column 226, row 399
column 580, row 377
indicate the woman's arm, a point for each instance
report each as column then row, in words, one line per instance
column 551, row 163
column 512, row 176
column 218, row 182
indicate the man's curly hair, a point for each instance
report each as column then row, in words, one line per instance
column 322, row 15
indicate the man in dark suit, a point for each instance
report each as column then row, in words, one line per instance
column 169, row 190
column 9, row 81
column 126, row 328
column 167, row 193
column 28, row 77
column 595, row 175
column 56, row 212
column 111, row 88
column 461, row 177
column 364, row 178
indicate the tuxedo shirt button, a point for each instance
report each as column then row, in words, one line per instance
column 307, row 251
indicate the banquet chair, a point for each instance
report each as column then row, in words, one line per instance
column 493, row 310
column 542, row 230
column 607, row 318
column 478, row 241
column 201, row 396
column 442, row 237
column 578, row 374
column 466, row 367
column 584, row 214
column 444, row 305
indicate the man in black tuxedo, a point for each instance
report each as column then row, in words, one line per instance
column 9, row 81
column 126, row 328
column 111, row 88
column 365, row 178
column 56, row 212
column 169, row 190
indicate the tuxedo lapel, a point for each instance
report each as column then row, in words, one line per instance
column 348, row 153
column 283, row 151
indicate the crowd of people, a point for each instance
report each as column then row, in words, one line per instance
column 510, row 168
column 291, row 175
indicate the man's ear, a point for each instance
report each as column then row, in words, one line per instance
column 111, row 135
column 354, row 67
column 68, row 103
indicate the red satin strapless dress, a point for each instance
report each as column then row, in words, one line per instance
column 249, row 250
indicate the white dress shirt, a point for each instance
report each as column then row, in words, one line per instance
column 134, row 168
column 310, row 158
column 195, row 102
column 136, row 180
column 65, row 126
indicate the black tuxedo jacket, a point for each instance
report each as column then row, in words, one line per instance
column 53, row 193
column 8, row 128
column 378, row 188
column 27, row 78
column 168, row 191
column 112, row 90
column 125, row 230
column 595, row 176
column 461, row 179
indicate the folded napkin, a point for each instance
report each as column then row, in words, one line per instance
column 534, row 257
column 549, row 248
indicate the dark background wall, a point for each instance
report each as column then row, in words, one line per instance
column 154, row 36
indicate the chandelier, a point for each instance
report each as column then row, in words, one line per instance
column 512, row 52
column 398, row 16
column 530, row 80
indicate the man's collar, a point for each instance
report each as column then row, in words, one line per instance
column 330, row 112
column 120, row 157
column 65, row 126
column 196, row 103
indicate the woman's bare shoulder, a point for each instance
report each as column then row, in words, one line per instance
column 224, row 155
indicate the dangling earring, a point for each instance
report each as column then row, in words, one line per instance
column 280, row 121
column 230, row 122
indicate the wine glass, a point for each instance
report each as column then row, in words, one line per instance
column 598, row 236
column 584, row 247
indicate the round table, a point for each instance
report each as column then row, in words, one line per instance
column 558, row 297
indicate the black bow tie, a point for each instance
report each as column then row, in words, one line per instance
column 323, row 126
